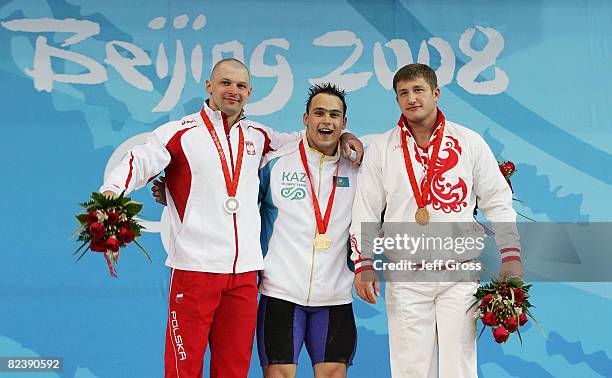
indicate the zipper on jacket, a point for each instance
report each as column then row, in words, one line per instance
column 313, row 248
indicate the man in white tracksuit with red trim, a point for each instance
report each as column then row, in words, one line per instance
column 214, row 253
column 429, row 321
column 211, row 161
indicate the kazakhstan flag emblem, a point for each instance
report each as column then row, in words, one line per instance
column 342, row 182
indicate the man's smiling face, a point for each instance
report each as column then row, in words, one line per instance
column 324, row 122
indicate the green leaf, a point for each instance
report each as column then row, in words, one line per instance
column 518, row 332
column 98, row 197
column 82, row 218
column 75, row 232
column 538, row 326
column 82, row 245
column 82, row 254
column 483, row 329
column 516, row 282
column 143, row 251
column 133, row 208
column 472, row 306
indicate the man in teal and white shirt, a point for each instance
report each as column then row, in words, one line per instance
column 306, row 197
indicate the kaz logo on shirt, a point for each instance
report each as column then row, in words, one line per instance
column 293, row 185
column 250, row 147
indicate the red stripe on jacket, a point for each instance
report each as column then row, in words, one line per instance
column 178, row 173
column 129, row 176
column 267, row 142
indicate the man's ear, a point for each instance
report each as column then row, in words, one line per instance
column 208, row 87
column 305, row 119
column 344, row 123
column 436, row 93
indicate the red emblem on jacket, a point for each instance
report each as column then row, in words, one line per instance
column 250, row 147
column 444, row 195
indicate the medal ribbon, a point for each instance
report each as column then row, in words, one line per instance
column 421, row 198
column 230, row 184
column 322, row 223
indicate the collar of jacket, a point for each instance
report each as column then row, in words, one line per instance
column 215, row 115
column 314, row 155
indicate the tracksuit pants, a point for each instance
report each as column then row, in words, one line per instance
column 210, row 307
column 430, row 320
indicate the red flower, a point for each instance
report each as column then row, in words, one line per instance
column 507, row 168
column 113, row 218
column 112, row 244
column 126, row 235
column 488, row 319
column 487, row 299
column 92, row 217
column 512, row 324
column 483, row 308
column 500, row 334
column 504, row 290
column 98, row 246
column 522, row 319
column 96, row 230
column 519, row 295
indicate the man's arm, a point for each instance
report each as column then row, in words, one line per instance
column 495, row 201
column 138, row 167
column 369, row 202
column 275, row 140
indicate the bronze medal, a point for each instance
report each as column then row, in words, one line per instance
column 421, row 216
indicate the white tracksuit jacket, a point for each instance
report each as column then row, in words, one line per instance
column 468, row 171
column 293, row 269
column 204, row 237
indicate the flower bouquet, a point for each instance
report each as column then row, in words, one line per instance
column 504, row 306
column 107, row 225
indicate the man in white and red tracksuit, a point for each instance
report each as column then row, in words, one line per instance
column 431, row 329
column 211, row 161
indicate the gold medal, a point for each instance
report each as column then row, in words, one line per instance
column 421, row 216
column 322, row 242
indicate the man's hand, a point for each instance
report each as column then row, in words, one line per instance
column 367, row 285
column 350, row 142
column 109, row 194
column 159, row 190
column 511, row 269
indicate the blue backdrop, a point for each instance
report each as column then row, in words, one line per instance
column 80, row 78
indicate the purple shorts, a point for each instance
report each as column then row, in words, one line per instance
column 283, row 327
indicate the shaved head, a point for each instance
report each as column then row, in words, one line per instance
column 229, row 61
column 229, row 87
